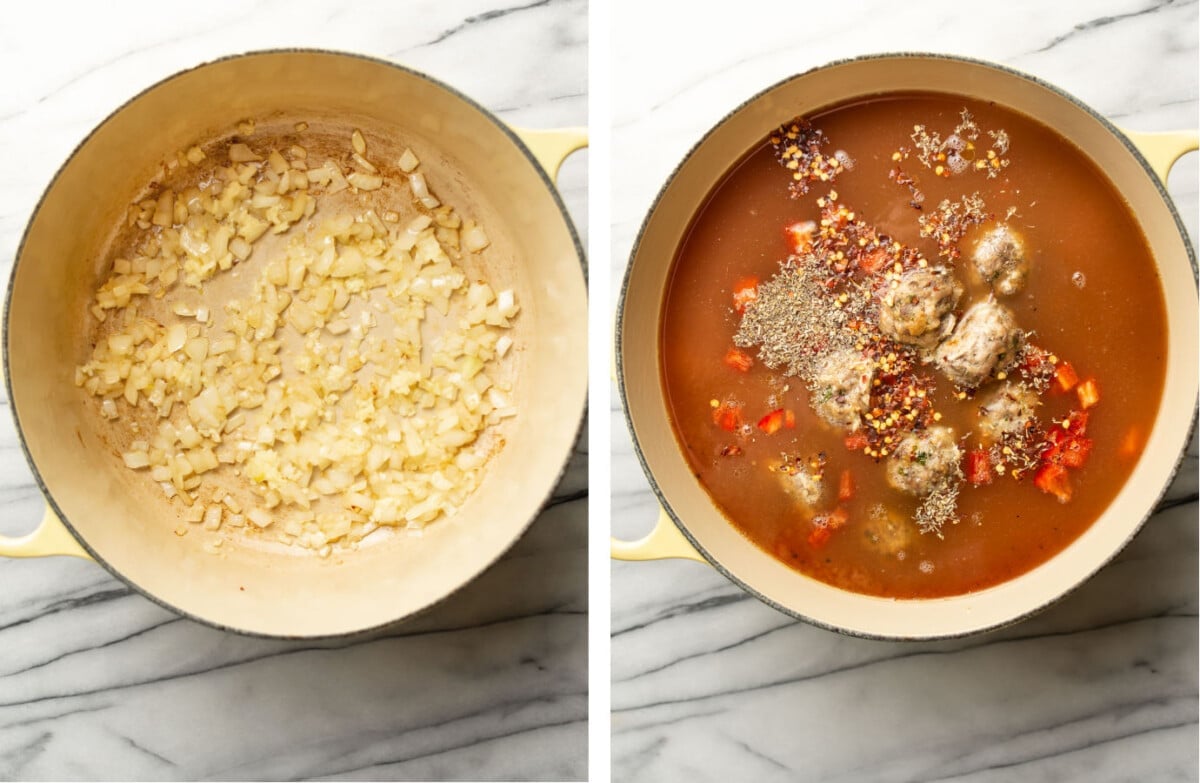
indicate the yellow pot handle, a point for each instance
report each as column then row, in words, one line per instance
column 662, row 543
column 1163, row 148
column 50, row 538
column 551, row 147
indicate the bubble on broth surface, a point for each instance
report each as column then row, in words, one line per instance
column 1079, row 280
column 956, row 163
column 844, row 158
column 926, row 567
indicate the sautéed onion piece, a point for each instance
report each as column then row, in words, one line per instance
column 318, row 389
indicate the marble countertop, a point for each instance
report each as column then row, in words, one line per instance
column 97, row 682
column 711, row 685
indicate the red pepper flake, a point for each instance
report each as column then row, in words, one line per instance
column 798, row 147
column 789, row 419
column 731, row 451
column 728, row 416
column 979, row 467
column 738, row 360
column 745, row 292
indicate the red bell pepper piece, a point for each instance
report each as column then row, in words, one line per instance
column 825, row 525
column 800, row 236
column 1066, row 376
column 979, row 467
column 745, row 292
column 1052, row 479
column 738, row 360
column 846, row 485
column 856, row 441
column 728, row 416
column 1089, row 393
column 772, row 422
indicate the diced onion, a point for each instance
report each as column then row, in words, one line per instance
column 336, row 418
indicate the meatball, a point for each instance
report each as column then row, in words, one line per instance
column 1008, row 411
column 803, row 482
column 1000, row 259
column 986, row 340
column 918, row 310
column 841, row 388
column 924, row 460
column 887, row 532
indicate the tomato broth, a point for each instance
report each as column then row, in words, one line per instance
column 1091, row 311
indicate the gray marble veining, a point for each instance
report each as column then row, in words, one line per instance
column 711, row 685
column 97, row 682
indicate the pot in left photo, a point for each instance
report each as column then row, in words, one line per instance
column 295, row 345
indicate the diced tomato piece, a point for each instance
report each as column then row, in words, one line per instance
column 856, row 441
column 873, row 260
column 800, row 236
column 745, row 292
column 979, row 467
column 789, row 419
column 772, row 422
column 728, row 416
column 1066, row 376
column 1052, row 479
column 846, row 485
column 1089, row 393
column 738, row 360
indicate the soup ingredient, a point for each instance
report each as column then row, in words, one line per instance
column 1008, row 411
column 1000, row 259
column 318, row 391
column 800, row 149
column 841, row 388
column 919, row 309
column 925, row 460
column 986, row 340
column 803, row 479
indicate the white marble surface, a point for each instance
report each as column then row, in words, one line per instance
column 96, row 682
column 711, row 685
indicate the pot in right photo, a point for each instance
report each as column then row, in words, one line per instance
column 906, row 347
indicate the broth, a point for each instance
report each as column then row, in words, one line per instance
column 1093, row 298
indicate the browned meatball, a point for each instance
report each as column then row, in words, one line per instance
column 986, row 340
column 1000, row 259
column 918, row 311
column 924, row 460
column 841, row 388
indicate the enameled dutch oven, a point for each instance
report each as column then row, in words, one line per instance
column 96, row 508
column 691, row 526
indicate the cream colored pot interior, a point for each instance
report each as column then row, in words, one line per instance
column 686, row 498
column 123, row 520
